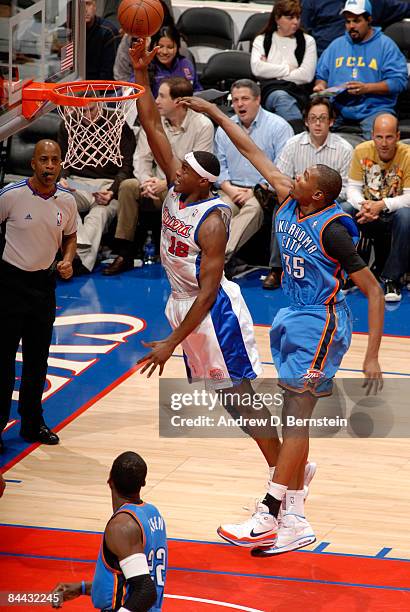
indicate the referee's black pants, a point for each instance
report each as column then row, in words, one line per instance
column 27, row 313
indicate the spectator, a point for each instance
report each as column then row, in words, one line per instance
column 367, row 64
column 186, row 131
column 284, row 58
column 102, row 40
column 317, row 146
column 99, row 198
column 379, row 192
column 123, row 69
column 169, row 62
column 324, row 19
column 238, row 177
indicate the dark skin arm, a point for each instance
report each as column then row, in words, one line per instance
column 123, row 537
column 69, row 248
column 212, row 239
column 280, row 182
column 368, row 285
column 148, row 113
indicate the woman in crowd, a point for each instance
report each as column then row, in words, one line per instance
column 168, row 61
column 284, row 60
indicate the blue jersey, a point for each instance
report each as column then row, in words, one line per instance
column 109, row 588
column 310, row 276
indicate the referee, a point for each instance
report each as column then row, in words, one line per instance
column 39, row 218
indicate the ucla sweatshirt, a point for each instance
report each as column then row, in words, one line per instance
column 375, row 59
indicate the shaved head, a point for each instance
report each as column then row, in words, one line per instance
column 46, row 145
column 385, row 121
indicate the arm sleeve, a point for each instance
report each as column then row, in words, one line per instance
column 281, row 137
column 307, row 15
column 127, row 148
column 344, row 170
column 122, row 65
column 338, row 244
column 305, row 73
column 394, row 68
column 263, row 69
column 204, row 141
column 4, row 208
column 401, row 201
column 109, row 51
column 141, row 596
column 219, row 148
column 322, row 70
column 143, row 159
column 354, row 193
column 391, row 11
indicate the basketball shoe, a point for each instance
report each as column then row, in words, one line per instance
column 294, row 532
column 260, row 530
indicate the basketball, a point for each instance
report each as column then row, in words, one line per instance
column 140, row 17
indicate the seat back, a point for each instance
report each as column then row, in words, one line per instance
column 207, row 27
column 225, row 68
column 252, row 27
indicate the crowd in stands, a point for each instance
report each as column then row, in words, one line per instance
column 322, row 70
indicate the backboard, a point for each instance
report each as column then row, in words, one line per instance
column 40, row 40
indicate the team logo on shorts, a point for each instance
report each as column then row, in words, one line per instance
column 216, row 374
column 59, row 218
column 313, row 375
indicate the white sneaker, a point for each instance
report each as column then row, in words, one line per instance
column 260, row 530
column 294, row 532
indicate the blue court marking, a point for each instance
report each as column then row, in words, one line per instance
column 382, row 553
column 315, row 550
column 232, row 574
column 321, row 547
column 12, row 480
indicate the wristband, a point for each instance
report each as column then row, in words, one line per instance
column 83, row 590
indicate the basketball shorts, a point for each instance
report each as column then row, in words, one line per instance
column 308, row 344
column 222, row 350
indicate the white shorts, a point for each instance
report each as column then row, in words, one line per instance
column 222, row 350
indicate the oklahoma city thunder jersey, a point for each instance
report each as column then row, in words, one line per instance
column 109, row 588
column 180, row 250
column 310, row 276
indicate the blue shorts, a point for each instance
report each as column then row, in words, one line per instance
column 308, row 344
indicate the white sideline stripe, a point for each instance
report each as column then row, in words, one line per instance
column 224, row 604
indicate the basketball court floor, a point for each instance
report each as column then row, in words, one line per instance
column 57, row 501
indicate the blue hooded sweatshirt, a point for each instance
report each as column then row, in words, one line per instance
column 376, row 59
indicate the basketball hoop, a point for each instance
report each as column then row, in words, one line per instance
column 94, row 136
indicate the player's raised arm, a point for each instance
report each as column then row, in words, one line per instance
column 148, row 113
column 280, row 182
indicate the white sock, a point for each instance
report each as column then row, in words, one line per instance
column 278, row 491
column 295, row 502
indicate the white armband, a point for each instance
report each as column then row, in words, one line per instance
column 134, row 565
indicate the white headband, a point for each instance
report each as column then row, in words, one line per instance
column 192, row 161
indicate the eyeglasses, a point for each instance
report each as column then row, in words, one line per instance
column 320, row 119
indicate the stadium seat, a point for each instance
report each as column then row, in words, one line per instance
column 226, row 67
column 206, row 30
column 252, row 27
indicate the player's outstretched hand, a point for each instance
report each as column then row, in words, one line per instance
column 373, row 381
column 197, row 104
column 139, row 55
column 65, row 592
column 161, row 352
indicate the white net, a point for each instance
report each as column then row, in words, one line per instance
column 94, row 131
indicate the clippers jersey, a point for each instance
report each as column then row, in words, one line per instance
column 180, row 250
column 310, row 276
column 109, row 587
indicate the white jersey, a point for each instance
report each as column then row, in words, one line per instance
column 222, row 350
column 180, row 251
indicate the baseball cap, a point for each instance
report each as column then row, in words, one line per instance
column 357, row 7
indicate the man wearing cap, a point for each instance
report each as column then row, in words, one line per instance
column 324, row 21
column 368, row 67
